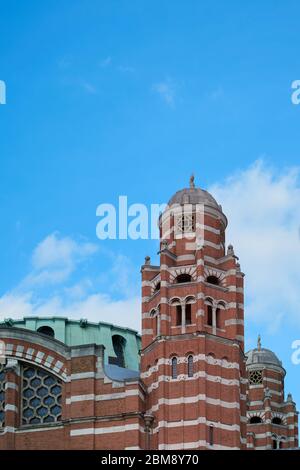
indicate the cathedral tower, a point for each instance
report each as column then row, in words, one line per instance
column 193, row 361
column 272, row 419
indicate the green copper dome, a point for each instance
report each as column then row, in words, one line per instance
column 119, row 342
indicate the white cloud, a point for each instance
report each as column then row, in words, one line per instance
column 166, row 90
column 55, row 258
column 56, row 251
column 54, row 261
column 94, row 307
column 15, row 306
column 263, row 209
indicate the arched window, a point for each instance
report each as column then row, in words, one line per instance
column 274, row 443
column 46, row 330
column 174, row 368
column 218, row 318
column 154, row 316
column 183, row 278
column 157, row 287
column 255, row 420
column 211, row 435
column 41, row 396
column 188, row 314
column 213, row 280
column 277, row 420
column 119, row 347
column 2, row 395
column 178, row 315
column 190, row 366
column 188, row 309
column 209, row 313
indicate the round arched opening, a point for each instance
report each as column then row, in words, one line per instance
column 255, row 420
column 277, row 420
column 46, row 330
column 181, row 278
column 213, row 280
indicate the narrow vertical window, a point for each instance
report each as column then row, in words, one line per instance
column 209, row 315
column 190, row 366
column 156, row 333
column 218, row 318
column 174, row 368
column 119, row 349
column 188, row 314
column 178, row 315
column 211, row 435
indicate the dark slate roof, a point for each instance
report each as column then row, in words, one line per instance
column 119, row 373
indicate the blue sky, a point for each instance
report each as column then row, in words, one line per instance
column 119, row 97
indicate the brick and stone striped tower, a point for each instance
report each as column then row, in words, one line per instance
column 193, row 361
column 272, row 419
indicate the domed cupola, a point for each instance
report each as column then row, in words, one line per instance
column 262, row 357
column 193, row 213
column 193, row 195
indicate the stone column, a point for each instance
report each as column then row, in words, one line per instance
column 12, row 415
column 214, row 320
column 183, row 319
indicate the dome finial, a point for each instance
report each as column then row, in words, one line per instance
column 259, row 342
column 192, row 181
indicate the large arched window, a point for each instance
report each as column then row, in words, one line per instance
column 190, row 366
column 174, row 367
column 255, row 420
column 41, row 396
column 46, row 330
column 119, row 349
column 2, row 395
column 277, row 420
column 213, row 280
column 181, row 278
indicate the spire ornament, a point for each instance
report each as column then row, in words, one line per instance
column 259, row 343
column 192, row 182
